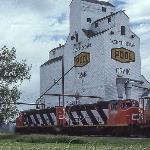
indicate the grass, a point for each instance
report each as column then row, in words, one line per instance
column 51, row 142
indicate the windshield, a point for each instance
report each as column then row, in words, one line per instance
column 128, row 104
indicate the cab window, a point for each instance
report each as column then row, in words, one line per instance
column 135, row 104
column 126, row 105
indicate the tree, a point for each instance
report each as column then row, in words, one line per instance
column 12, row 74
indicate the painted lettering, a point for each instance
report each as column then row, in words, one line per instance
column 117, row 42
column 82, row 59
column 123, row 55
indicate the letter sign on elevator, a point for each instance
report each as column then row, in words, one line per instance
column 82, row 59
column 122, row 55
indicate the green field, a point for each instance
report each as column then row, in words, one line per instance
column 50, row 142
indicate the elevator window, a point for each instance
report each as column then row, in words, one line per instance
column 123, row 30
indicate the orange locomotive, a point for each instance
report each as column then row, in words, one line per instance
column 115, row 115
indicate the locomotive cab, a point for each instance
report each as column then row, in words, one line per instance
column 124, row 112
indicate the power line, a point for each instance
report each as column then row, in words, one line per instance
column 20, row 103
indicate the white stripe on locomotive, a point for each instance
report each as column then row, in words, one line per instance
column 39, row 118
column 33, row 120
column 68, row 120
column 97, row 116
column 46, row 119
column 54, row 118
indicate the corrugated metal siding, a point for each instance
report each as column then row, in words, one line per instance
column 101, row 71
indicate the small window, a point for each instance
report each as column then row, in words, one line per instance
column 123, row 30
column 77, row 39
column 126, row 105
column 104, row 9
column 89, row 20
column 96, row 24
column 72, row 37
column 109, row 20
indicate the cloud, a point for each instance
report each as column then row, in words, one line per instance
column 34, row 28
column 140, row 18
column 118, row 3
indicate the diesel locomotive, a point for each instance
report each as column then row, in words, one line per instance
column 115, row 118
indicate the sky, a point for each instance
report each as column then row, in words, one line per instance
column 34, row 27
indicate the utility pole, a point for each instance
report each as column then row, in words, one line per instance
column 63, row 88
